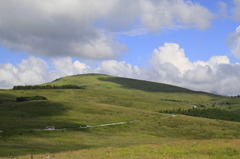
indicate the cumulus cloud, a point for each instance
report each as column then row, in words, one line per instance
column 29, row 71
column 85, row 29
column 222, row 81
column 234, row 42
column 66, row 66
column 36, row 71
column 171, row 54
column 216, row 75
column 122, row 69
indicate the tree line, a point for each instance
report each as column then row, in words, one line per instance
column 211, row 113
column 28, row 87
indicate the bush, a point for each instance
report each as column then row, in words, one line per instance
column 211, row 113
column 23, row 99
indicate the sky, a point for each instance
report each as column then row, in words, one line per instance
column 189, row 43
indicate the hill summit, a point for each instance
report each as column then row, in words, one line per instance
column 101, row 81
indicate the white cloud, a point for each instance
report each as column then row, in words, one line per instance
column 169, row 65
column 116, row 68
column 167, row 13
column 85, row 29
column 236, row 10
column 222, row 10
column 171, row 54
column 224, row 80
column 36, row 71
column 234, row 42
column 8, row 78
column 65, row 67
column 29, row 71
column 98, row 48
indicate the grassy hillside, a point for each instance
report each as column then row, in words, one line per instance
column 187, row 149
column 106, row 82
column 107, row 99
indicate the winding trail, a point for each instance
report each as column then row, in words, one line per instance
column 82, row 127
column 88, row 126
column 120, row 123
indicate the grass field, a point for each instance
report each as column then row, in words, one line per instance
column 185, row 149
column 108, row 99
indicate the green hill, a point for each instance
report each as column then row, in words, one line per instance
column 105, row 82
column 105, row 100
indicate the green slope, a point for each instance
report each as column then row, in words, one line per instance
column 136, row 93
column 99, row 81
column 106, row 99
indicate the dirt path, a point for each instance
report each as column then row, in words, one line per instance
column 120, row 123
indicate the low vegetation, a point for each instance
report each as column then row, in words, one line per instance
column 23, row 99
column 211, row 113
column 29, row 87
column 185, row 149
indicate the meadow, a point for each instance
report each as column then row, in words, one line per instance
column 184, row 149
column 106, row 99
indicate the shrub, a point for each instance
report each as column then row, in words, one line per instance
column 211, row 113
column 23, row 99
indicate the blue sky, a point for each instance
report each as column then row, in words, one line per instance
column 193, row 44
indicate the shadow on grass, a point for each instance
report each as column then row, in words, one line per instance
column 22, row 116
column 39, row 147
column 145, row 85
column 6, row 98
